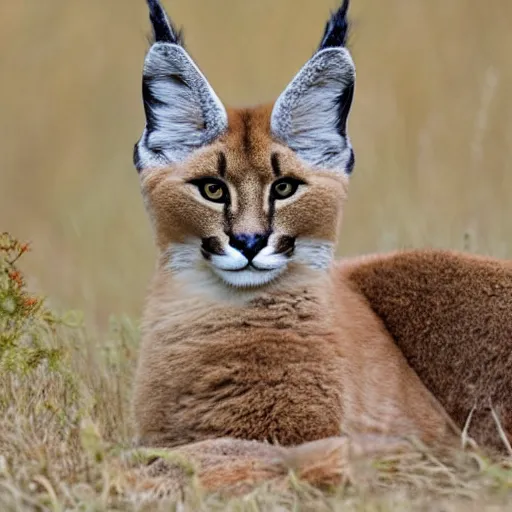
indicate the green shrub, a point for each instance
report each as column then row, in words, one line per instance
column 25, row 321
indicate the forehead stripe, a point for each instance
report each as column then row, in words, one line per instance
column 222, row 164
column 274, row 160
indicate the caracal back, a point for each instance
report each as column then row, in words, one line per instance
column 451, row 316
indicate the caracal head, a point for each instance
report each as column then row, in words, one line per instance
column 245, row 195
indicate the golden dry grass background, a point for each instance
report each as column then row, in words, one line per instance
column 431, row 125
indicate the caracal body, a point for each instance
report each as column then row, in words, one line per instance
column 252, row 332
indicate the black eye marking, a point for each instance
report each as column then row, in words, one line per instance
column 211, row 245
column 212, row 189
column 222, row 164
column 274, row 160
column 285, row 245
column 285, row 188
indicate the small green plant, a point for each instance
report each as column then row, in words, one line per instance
column 25, row 322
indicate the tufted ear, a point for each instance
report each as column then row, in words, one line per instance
column 183, row 113
column 310, row 116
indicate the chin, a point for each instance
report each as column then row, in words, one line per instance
column 248, row 278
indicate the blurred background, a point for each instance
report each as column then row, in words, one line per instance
column 431, row 126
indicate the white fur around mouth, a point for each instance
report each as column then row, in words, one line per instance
column 248, row 277
column 235, row 270
column 231, row 260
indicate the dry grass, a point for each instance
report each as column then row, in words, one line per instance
column 65, row 433
column 61, row 432
column 431, row 127
column 62, row 429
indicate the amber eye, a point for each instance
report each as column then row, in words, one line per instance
column 284, row 188
column 212, row 189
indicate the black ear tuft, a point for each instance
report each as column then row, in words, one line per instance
column 163, row 29
column 337, row 28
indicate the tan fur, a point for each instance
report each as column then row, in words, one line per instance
column 299, row 360
column 305, row 357
column 451, row 315
column 248, row 147
column 260, row 355
column 294, row 364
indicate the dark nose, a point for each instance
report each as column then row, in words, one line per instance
column 248, row 245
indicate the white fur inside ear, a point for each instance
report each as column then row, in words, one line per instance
column 306, row 116
column 183, row 112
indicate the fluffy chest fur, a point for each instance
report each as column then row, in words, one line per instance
column 258, row 370
column 287, row 366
